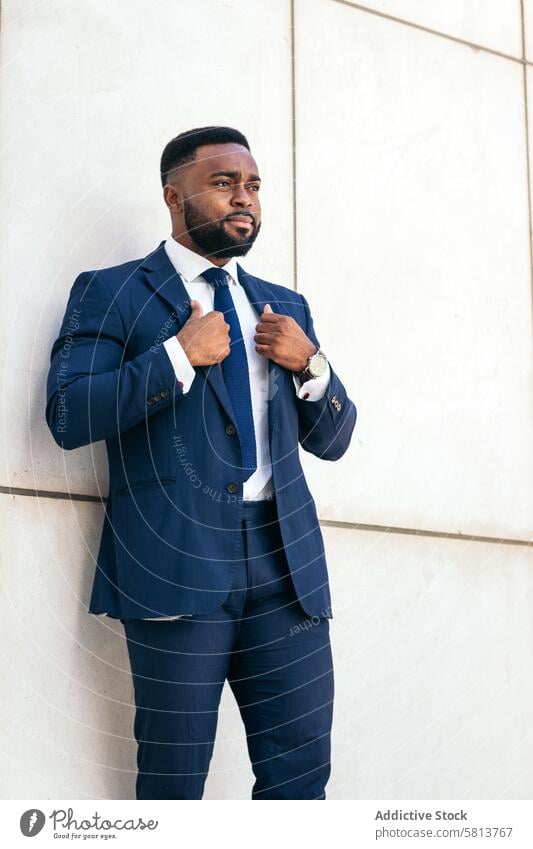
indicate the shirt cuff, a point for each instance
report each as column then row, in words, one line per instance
column 313, row 389
column 183, row 369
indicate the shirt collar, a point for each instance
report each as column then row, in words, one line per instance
column 192, row 265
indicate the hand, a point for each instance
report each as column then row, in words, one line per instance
column 280, row 338
column 204, row 338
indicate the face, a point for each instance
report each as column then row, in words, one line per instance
column 214, row 202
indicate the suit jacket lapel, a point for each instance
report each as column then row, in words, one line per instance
column 166, row 281
column 260, row 294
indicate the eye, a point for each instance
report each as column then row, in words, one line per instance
column 255, row 188
column 220, row 182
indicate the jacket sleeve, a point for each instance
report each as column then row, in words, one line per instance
column 92, row 392
column 325, row 426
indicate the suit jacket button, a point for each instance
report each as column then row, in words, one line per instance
column 230, row 429
column 232, row 487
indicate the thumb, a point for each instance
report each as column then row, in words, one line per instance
column 268, row 308
column 196, row 309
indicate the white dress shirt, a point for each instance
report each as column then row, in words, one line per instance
column 190, row 266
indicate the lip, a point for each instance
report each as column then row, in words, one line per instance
column 244, row 221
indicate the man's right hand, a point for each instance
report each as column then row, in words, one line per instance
column 204, row 338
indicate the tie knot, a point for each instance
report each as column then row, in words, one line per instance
column 216, row 276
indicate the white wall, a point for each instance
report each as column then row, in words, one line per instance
column 412, row 237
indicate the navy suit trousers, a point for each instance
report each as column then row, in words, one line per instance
column 277, row 661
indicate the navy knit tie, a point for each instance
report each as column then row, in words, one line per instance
column 235, row 369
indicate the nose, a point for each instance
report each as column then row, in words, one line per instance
column 241, row 196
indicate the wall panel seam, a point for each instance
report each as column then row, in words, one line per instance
column 293, row 143
column 331, row 523
column 528, row 159
column 362, row 526
column 521, row 60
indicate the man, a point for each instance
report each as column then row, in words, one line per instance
column 203, row 379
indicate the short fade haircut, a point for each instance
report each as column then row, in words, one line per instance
column 182, row 149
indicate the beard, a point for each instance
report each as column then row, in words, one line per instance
column 211, row 236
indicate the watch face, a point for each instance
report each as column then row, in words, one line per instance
column 317, row 365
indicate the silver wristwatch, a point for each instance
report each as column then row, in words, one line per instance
column 316, row 365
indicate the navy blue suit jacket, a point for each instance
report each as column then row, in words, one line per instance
column 172, row 526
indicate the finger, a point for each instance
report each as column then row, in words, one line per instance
column 268, row 327
column 263, row 349
column 268, row 309
column 196, row 309
column 270, row 316
column 263, row 339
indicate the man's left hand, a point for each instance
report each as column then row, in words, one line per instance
column 280, row 338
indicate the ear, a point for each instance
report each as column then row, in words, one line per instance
column 172, row 196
